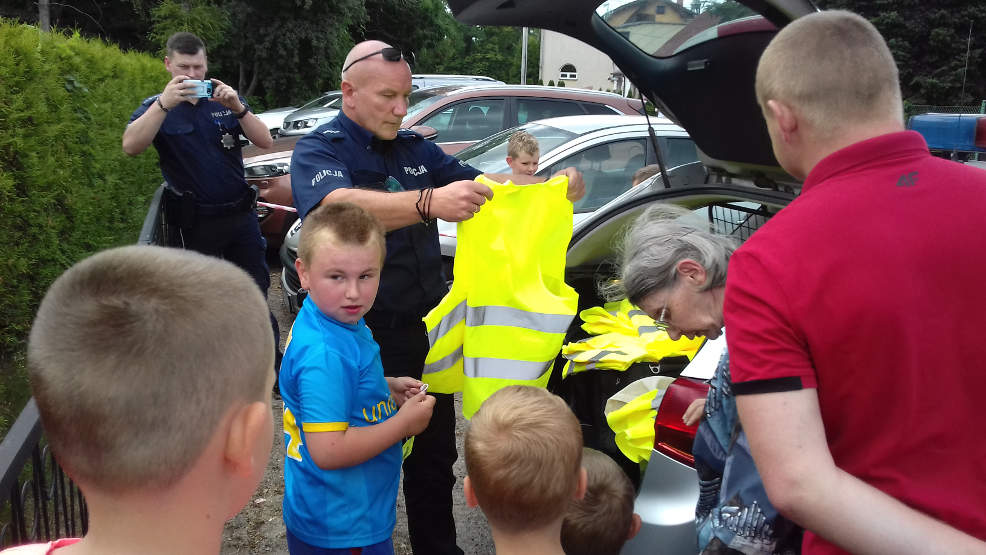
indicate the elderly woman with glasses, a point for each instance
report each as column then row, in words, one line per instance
column 674, row 268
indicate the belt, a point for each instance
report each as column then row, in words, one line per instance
column 243, row 204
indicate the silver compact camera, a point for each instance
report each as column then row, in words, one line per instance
column 203, row 89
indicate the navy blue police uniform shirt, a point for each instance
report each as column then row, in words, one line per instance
column 192, row 151
column 341, row 154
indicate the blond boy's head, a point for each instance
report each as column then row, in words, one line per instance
column 603, row 520
column 135, row 357
column 523, row 458
column 835, row 69
column 523, row 153
column 644, row 173
column 342, row 222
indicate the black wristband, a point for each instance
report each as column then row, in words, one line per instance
column 246, row 110
column 161, row 105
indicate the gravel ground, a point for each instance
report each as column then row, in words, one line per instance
column 259, row 527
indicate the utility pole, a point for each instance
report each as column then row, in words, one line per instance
column 44, row 16
column 523, row 56
column 968, row 45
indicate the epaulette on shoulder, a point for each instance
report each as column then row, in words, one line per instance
column 331, row 134
column 408, row 135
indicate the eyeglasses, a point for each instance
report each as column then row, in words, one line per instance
column 662, row 323
column 390, row 54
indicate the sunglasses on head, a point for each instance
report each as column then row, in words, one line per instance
column 390, row 54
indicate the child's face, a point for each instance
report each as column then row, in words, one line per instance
column 342, row 279
column 523, row 164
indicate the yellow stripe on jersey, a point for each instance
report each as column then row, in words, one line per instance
column 325, row 426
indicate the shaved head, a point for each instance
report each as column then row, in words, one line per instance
column 375, row 90
column 358, row 71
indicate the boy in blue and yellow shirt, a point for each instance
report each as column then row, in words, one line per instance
column 343, row 420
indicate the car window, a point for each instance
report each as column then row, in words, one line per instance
column 470, row 120
column 667, row 28
column 607, row 170
column 599, row 109
column 490, row 155
column 530, row 109
column 422, row 99
column 680, row 151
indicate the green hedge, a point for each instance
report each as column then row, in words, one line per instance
column 66, row 187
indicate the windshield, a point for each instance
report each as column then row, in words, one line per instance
column 662, row 27
column 328, row 100
column 490, row 154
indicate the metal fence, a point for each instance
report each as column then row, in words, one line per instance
column 38, row 502
column 913, row 109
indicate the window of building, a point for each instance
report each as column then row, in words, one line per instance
column 568, row 73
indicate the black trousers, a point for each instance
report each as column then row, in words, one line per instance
column 428, row 477
column 236, row 238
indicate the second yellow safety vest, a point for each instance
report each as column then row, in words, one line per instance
column 509, row 309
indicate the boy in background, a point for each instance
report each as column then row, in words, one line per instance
column 343, row 420
column 602, row 521
column 524, row 463
column 166, row 435
column 523, row 153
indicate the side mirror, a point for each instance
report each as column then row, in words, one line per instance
column 427, row 132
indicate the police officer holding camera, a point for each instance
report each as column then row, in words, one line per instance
column 196, row 133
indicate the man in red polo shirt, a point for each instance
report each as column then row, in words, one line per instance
column 854, row 314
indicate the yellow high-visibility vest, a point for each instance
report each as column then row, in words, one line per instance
column 631, row 412
column 623, row 335
column 509, row 309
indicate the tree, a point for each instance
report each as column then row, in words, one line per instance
column 929, row 41
column 205, row 20
column 286, row 51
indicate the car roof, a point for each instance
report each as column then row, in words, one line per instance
column 581, row 125
column 534, row 90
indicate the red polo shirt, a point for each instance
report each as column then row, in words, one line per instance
column 871, row 287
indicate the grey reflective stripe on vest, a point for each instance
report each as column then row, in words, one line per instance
column 504, row 369
column 447, row 322
column 499, row 316
column 656, row 402
column 604, row 353
column 647, row 329
column 636, row 312
column 443, row 363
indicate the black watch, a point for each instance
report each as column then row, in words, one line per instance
column 246, row 110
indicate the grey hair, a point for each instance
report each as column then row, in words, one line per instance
column 656, row 242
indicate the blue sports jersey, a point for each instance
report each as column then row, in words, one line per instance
column 199, row 149
column 342, row 154
column 331, row 379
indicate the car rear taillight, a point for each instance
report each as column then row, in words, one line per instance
column 671, row 436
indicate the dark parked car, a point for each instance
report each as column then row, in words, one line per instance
column 698, row 69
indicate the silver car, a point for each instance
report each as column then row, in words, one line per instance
column 608, row 150
column 304, row 120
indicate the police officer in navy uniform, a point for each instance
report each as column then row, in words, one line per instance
column 362, row 156
column 197, row 139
